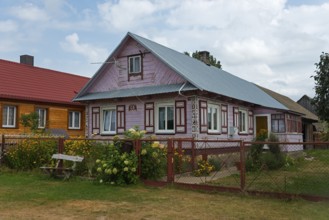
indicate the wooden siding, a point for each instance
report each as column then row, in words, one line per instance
column 136, row 117
column 57, row 117
column 115, row 75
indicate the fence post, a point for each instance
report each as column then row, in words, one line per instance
column 3, row 142
column 170, row 161
column 242, row 166
column 138, row 146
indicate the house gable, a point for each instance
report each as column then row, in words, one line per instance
column 116, row 75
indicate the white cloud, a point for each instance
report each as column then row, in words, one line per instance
column 29, row 12
column 92, row 53
column 8, row 26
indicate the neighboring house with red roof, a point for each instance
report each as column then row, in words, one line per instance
column 25, row 88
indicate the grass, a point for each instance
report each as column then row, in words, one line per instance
column 35, row 196
column 304, row 177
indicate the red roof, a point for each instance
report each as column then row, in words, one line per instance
column 25, row 82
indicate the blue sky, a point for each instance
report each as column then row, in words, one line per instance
column 272, row 43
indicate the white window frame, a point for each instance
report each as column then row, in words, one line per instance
column 72, row 114
column 108, row 108
column 39, row 110
column 166, row 130
column 218, row 121
column 131, row 61
column 5, row 118
column 245, row 121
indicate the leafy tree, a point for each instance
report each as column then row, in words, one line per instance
column 321, row 98
column 30, row 120
column 212, row 60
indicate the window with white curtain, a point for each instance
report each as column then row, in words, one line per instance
column 165, row 118
column 74, row 119
column 42, row 117
column 9, row 116
column 108, row 121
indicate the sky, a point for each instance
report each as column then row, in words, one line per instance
column 273, row 43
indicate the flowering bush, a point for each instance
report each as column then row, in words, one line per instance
column 90, row 150
column 134, row 133
column 204, row 168
column 116, row 167
column 153, row 159
column 30, row 153
column 182, row 163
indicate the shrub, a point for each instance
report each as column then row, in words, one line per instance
column 116, row 167
column 273, row 161
column 153, row 160
column 90, row 150
column 204, row 168
column 30, row 153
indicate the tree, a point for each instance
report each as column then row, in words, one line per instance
column 212, row 60
column 30, row 120
column 321, row 98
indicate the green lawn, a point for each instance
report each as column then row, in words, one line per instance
column 35, row 196
column 309, row 177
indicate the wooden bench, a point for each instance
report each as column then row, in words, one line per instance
column 57, row 170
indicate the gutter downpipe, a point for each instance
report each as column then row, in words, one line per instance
column 180, row 89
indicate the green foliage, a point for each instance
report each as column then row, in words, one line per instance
column 274, row 148
column 116, row 167
column 215, row 162
column 212, row 60
column 153, row 159
column 273, row 159
column 90, row 150
column 30, row 120
column 321, row 98
column 204, row 168
column 134, row 133
column 29, row 154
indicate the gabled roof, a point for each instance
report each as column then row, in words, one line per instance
column 291, row 105
column 199, row 74
column 26, row 82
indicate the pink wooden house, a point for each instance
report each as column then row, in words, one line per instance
column 170, row 94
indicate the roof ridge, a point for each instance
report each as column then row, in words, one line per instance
column 41, row 68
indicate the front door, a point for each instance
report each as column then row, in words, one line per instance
column 261, row 123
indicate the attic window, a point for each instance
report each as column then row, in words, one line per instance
column 135, row 64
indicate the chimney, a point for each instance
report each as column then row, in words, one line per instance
column 204, row 57
column 27, row 59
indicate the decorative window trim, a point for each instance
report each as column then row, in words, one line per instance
column 44, row 117
column 180, row 115
column 224, row 119
column 121, row 119
column 95, row 120
column 217, row 108
column 73, row 126
column 251, row 121
column 166, row 130
column 149, row 117
column 203, row 116
column 102, row 132
column 5, row 122
column 131, row 61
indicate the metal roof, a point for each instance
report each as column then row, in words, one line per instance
column 199, row 74
column 148, row 90
column 209, row 78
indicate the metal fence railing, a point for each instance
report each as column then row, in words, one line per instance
column 282, row 169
